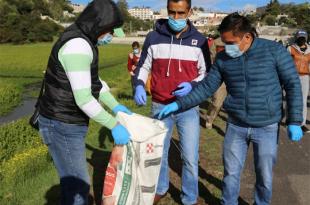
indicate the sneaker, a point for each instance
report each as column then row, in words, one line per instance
column 305, row 129
column 157, row 198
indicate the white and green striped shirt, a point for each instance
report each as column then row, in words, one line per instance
column 76, row 57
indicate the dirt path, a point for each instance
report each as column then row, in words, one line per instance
column 291, row 183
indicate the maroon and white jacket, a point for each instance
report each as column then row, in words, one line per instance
column 172, row 60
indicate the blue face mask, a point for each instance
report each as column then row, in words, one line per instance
column 233, row 50
column 136, row 51
column 106, row 39
column 177, row 25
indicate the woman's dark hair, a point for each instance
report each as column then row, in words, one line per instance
column 189, row 2
column 135, row 44
column 237, row 24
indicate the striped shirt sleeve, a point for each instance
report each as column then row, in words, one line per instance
column 106, row 97
column 76, row 57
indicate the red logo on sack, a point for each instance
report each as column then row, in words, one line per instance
column 109, row 181
column 149, row 148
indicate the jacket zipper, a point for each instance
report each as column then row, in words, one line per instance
column 246, row 83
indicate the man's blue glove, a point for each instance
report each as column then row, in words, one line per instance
column 120, row 135
column 294, row 132
column 170, row 108
column 183, row 89
column 140, row 95
column 121, row 108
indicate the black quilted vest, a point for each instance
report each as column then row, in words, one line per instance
column 57, row 101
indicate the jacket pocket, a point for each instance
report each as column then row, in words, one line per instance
column 236, row 108
column 270, row 105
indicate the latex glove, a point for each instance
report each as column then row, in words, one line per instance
column 121, row 108
column 120, row 135
column 170, row 108
column 140, row 95
column 184, row 89
column 294, row 132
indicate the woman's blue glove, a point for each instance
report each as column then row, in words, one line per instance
column 294, row 132
column 120, row 135
column 184, row 89
column 140, row 95
column 170, row 108
column 121, row 108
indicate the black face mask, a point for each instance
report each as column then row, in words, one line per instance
column 301, row 41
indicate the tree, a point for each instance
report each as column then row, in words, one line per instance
column 254, row 18
column 273, row 8
column 270, row 20
column 299, row 15
column 20, row 20
column 132, row 24
column 201, row 9
column 123, row 6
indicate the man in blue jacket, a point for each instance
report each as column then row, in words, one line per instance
column 255, row 71
column 176, row 56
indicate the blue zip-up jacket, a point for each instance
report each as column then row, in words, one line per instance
column 254, row 84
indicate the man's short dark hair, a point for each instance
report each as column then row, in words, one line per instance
column 237, row 24
column 189, row 2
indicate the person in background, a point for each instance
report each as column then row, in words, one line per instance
column 177, row 57
column 133, row 59
column 72, row 91
column 254, row 71
column 210, row 40
column 220, row 95
column 300, row 51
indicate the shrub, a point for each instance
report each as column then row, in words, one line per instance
column 17, row 137
column 24, row 165
column 270, row 20
column 10, row 96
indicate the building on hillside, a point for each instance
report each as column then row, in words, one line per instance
column 202, row 19
column 67, row 14
column 144, row 13
column 282, row 16
column 77, row 8
column 164, row 13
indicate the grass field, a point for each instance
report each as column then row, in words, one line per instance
column 21, row 66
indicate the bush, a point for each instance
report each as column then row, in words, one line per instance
column 10, row 96
column 270, row 20
column 21, row 20
column 17, row 137
column 24, row 165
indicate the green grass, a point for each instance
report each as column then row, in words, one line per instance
column 16, row 137
column 21, row 72
column 23, row 65
column 44, row 189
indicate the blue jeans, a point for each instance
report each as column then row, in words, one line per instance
column 67, row 147
column 236, row 143
column 188, row 128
